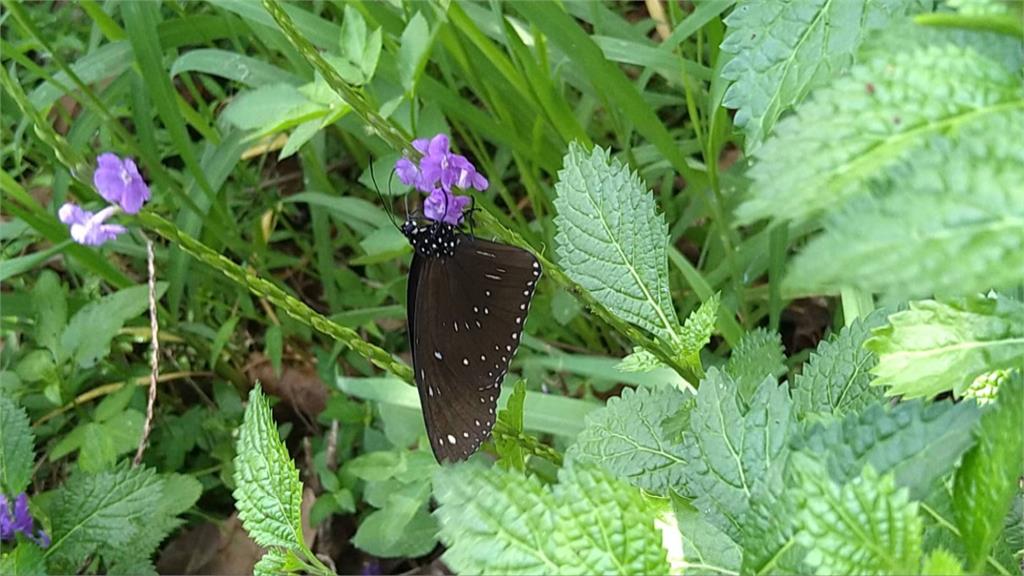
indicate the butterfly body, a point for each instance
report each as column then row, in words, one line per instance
column 468, row 300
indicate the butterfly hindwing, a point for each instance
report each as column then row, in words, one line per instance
column 466, row 316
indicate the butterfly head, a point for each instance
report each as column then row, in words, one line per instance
column 431, row 238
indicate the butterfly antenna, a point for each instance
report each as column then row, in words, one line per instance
column 387, row 205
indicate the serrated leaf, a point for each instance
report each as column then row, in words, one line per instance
column 936, row 347
column 836, row 380
column 496, row 521
column 916, row 442
column 768, row 534
column 86, row 339
column 758, row 354
column 728, row 449
column 948, row 219
column 612, row 241
column 102, row 513
column 987, row 480
column 864, row 526
column 625, row 438
column 510, row 451
column 268, row 493
column 941, row 562
column 640, row 360
column 16, row 447
column 706, row 549
column 866, row 120
column 783, row 49
column 50, row 309
column 696, row 332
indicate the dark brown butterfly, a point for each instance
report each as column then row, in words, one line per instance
column 467, row 304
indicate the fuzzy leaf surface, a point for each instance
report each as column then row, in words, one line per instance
column 987, row 480
column 836, row 380
column 866, row 120
column 626, row 438
column 496, row 521
column 16, row 447
column 757, row 355
column 729, row 450
column 865, row 526
column 612, row 241
column 949, row 219
column 781, row 49
column 268, row 493
column 86, row 339
column 936, row 347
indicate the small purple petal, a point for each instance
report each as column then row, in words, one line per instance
column 22, row 519
column 109, row 160
column 109, row 183
column 438, row 145
column 421, row 145
column 479, row 182
column 89, row 229
column 71, row 213
column 441, row 206
column 119, row 182
column 135, row 195
column 407, row 172
column 6, row 521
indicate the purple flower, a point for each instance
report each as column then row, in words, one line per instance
column 439, row 166
column 20, row 521
column 442, row 206
column 119, row 182
column 88, row 228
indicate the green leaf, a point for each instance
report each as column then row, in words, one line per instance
column 26, row 559
column 916, row 442
column 402, row 528
column 360, row 50
column 640, row 360
column 612, row 241
column 101, row 513
column 949, row 219
column 836, row 380
column 941, row 562
column 625, row 438
column 268, row 493
column 87, row 337
column 781, row 50
column 510, row 418
column 707, row 550
column 114, row 404
column 16, row 443
column 987, row 480
column 866, row 120
column 377, row 466
column 103, row 442
column 275, row 562
column 729, row 450
column 937, row 346
column 495, row 521
column 696, row 332
column 269, row 108
column 414, row 47
column 863, row 526
column 273, row 342
column 50, row 308
column 758, row 354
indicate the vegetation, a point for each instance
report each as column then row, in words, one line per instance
column 780, row 327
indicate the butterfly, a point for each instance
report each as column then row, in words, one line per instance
column 467, row 304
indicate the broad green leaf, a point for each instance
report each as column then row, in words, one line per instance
column 377, row 466
column 836, row 380
column 941, row 346
column 768, row 534
column 86, row 339
column 625, row 438
column 276, row 561
column 728, row 449
column 101, row 513
column 114, row 404
column 26, row 559
column 250, row 71
column 782, row 49
column 640, row 360
column 16, row 447
column 864, row 526
column 360, row 50
column 612, row 241
column 949, row 219
column 496, row 521
column 696, row 332
column 50, row 309
column 414, row 47
column 706, row 549
column 403, row 527
column 988, row 478
column 268, row 493
column 758, row 354
column 270, row 108
column 103, row 442
column 865, row 121
column 917, row 443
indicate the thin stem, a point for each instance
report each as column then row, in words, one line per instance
column 154, row 355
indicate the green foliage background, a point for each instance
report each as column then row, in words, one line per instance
column 693, row 181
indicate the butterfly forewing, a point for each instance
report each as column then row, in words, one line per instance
column 466, row 316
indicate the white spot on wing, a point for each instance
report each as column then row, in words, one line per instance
column 451, row 439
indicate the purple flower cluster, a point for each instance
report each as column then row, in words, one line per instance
column 17, row 520
column 437, row 173
column 118, row 182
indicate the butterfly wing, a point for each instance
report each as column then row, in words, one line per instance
column 466, row 316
